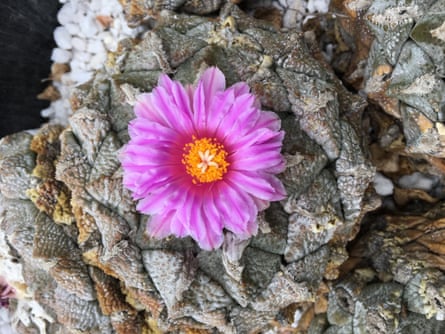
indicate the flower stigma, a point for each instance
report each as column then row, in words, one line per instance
column 205, row 160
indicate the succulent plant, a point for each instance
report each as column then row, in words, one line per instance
column 85, row 254
column 82, row 242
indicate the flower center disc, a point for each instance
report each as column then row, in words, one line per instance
column 205, row 160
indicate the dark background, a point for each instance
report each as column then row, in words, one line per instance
column 26, row 42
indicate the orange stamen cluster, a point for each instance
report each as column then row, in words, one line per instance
column 205, row 160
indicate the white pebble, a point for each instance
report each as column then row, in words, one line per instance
column 318, row 6
column 96, row 6
column 417, row 181
column 98, row 60
column 80, row 77
column 95, row 46
column 77, row 65
column 83, row 57
column 66, row 14
column 60, row 56
column 72, row 28
column 109, row 41
column 5, row 322
column 84, row 44
column 62, row 38
column 382, row 185
column 88, row 27
column 79, row 44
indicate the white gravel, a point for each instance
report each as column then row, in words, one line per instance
column 417, row 181
column 382, row 185
column 89, row 30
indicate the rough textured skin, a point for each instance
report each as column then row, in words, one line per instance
column 139, row 11
column 395, row 264
column 404, row 70
column 102, row 274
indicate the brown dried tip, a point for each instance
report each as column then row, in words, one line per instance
column 50, row 93
column 57, row 69
column 269, row 14
column 104, row 20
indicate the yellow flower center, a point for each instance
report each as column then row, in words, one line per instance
column 205, row 160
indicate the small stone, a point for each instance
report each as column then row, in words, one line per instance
column 62, row 38
column 95, row 46
column 417, row 180
column 65, row 14
column 79, row 44
column 60, row 56
column 382, row 185
column 88, row 27
column 81, row 77
column 98, row 60
column 72, row 28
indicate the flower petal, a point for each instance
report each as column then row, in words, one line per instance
column 240, row 88
column 173, row 116
column 255, row 158
column 269, row 120
column 201, row 229
column 158, row 226
column 218, row 111
column 264, row 186
column 212, row 213
column 177, row 226
column 157, row 202
column 151, row 130
column 212, row 81
column 235, row 121
column 168, row 104
column 236, row 207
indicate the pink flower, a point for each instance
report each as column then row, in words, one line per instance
column 6, row 292
column 202, row 159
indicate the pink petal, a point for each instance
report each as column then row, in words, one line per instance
column 178, row 226
column 222, row 103
column 261, row 204
column 252, row 228
column 174, row 116
column 158, row 226
column 168, row 104
column 199, row 108
column 236, row 207
column 204, row 234
column 255, row 136
column 240, row 88
column 263, row 186
column 185, row 204
column 269, row 120
column 148, row 182
column 151, row 130
column 256, row 159
column 212, row 213
column 144, row 109
column 157, row 202
column 233, row 123
column 201, row 229
column 141, row 156
column 211, row 82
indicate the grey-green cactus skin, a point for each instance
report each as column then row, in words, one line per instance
column 409, row 41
